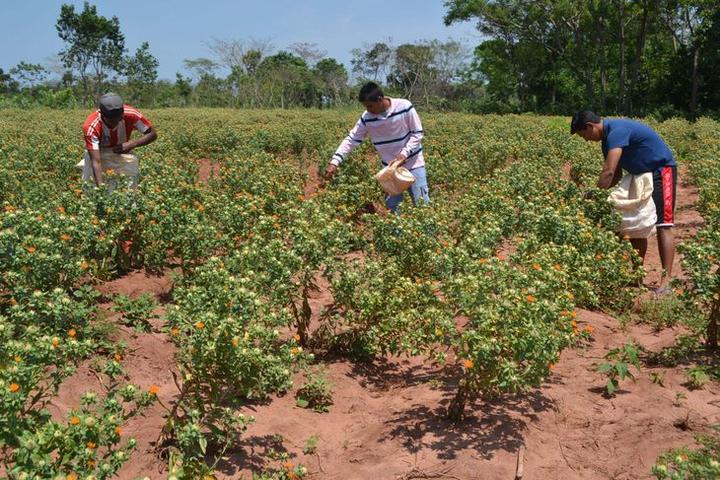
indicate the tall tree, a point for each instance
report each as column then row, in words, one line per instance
column 141, row 73
column 372, row 61
column 333, row 79
column 94, row 46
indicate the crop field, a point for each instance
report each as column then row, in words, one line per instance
column 236, row 317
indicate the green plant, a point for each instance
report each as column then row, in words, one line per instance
column 316, row 392
column 311, row 444
column 687, row 464
column 658, row 378
column 137, row 312
column 666, row 311
column 618, row 366
column 697, row 377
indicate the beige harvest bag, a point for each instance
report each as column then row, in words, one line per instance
column 632, row 197
column 394, row 180
column 125, row 164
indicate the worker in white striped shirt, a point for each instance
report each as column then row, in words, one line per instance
column 394, row 128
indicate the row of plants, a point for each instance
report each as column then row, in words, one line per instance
column 485, row 281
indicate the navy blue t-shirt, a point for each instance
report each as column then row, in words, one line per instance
column 643, row 149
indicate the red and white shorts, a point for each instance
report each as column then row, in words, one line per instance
column 664, row 190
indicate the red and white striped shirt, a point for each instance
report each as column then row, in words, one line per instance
column 98, row 135
column 396, row 131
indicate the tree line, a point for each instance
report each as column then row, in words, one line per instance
column 630, row 57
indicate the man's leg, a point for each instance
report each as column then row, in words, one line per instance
column 666, row 248
column 419, row 190
column 392, row 202
column 640, row 246
column 664, row 193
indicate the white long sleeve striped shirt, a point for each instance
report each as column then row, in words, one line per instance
column 396, row 131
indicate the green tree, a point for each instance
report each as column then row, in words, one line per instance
column 141, row 73
column 29, row 75
column 333, row 79
column 94, row 46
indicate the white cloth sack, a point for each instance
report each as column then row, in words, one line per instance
column 633, row 198
column 125, row 164
column 394, row 180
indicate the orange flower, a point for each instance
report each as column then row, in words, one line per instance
column 74, row 420
column 174, row 331
column 598, row 257
column 64, row 237
column 14, row 387
column 557, row 267
column 296, row 337
column 468, row 364
column 71, row 476
column 91, row 463
column 91, row 445
column 84, row 265
column 589, row 329
column 9, row 208
column 288, row 465
column 17, row 359
column 40, row 218
column 55, row 342
column 199, row 325
column 294, row 351
column 72, row 333
column 117, row 357
column 551, row 366
column 573, row 314
column 537, row 266
column 530, row 298
column 60, row 209
column 235, row 341
column 292, row 476
column 31, row 249
column 153, row 390
column 118, row 431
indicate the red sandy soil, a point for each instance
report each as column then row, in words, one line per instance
column 387, row 421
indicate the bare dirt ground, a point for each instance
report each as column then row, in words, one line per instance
column 387, row 421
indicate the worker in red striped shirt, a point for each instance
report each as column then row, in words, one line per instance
column 109, row 129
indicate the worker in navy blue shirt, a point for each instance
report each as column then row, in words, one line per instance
column 636, row 148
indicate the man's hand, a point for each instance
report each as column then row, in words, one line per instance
column 122, row 147
column 330, row 171
column 399, row 160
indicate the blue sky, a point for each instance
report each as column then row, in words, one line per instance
column 181, row 29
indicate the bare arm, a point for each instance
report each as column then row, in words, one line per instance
column 611, row 170
column 149, row 137
column 96, row 166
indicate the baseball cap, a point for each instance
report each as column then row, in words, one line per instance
column 111, row 105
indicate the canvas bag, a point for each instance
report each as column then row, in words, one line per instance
column 632, row 197
column 394, row 179
column 125, row 164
